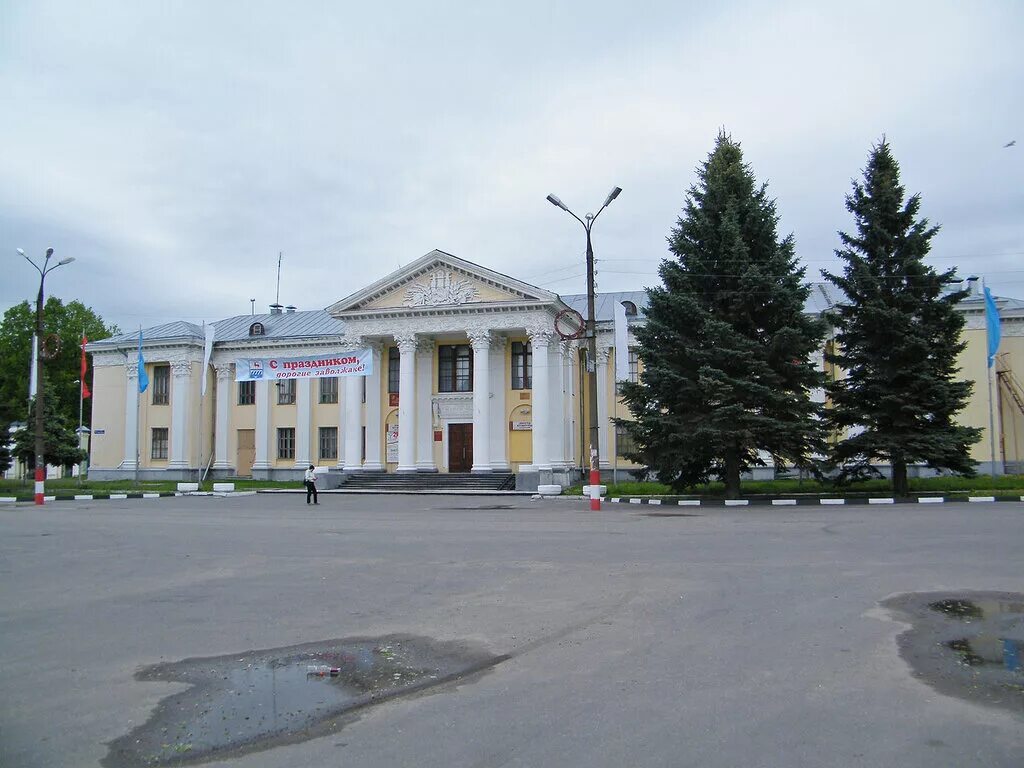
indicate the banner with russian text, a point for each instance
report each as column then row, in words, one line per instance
column 357, row 362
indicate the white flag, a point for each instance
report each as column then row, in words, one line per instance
column 208, row 331
column 621, row 343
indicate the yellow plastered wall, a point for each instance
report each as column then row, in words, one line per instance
column 325, row 415
column 973, row 363
column 242, row 417
column 281, row 416
column 618, row 409
column 109, row 390
column 153, row 416
column 1011, row 358
column 518, row 444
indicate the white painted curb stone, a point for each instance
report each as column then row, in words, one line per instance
column 783, row 502
column 223, row 487
column 188, row 486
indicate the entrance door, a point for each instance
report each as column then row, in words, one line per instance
column 246, row 452
column 460, row 447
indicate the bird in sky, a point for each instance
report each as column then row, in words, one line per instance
column 1009, row 144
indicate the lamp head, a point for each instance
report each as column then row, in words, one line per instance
column 21, row 251
column 613, row 194
column 49, row 252
column 556, row 202
column 68, row 260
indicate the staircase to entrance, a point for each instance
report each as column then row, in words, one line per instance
column 429, row 481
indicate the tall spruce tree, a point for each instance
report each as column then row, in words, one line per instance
column 726, row 345
column 898, row 337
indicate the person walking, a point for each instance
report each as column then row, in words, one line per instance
column 311, row 485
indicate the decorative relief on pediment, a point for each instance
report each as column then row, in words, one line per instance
column 441, row 288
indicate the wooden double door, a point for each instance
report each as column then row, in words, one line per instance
column 460, row 447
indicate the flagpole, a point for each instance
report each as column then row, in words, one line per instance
column 202, row 396
column 81, row 408
column 138, row 398
column 988, row 374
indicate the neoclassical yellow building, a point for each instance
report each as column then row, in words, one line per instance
column 468, row 376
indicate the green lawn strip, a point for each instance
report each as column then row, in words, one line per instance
column 983, row 485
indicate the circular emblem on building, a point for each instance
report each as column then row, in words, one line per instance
column 569, row 324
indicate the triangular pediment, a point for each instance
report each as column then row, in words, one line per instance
column 439, row 280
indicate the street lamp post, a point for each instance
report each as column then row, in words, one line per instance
column 595, row 443
column 40, row 443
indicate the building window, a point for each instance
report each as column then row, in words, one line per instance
column 363, row 389
column 455, row 368
column 161, row 384
column 634, row 366
column 630, row 308
column 624, row 443
column 159, row 443
column 286, row 442
column 329, row 389
column 394, row 363
column 246, row 392
column 286, row 392
column 328, row 442
column 257, row 329
column 522, row 365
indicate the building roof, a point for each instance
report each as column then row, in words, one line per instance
column 287, row 325
column 179, row 329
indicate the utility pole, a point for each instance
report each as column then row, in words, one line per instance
column 595, row 432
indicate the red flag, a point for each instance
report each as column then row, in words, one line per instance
column 85, row 387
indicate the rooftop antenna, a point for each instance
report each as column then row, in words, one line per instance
column 277, row 298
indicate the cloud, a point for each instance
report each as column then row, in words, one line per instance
column 176, row 149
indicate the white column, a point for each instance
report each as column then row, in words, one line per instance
column 499, row 414
column 557, row 435
column 540, row 341
column 261, row 460
column 480, row 339
column 181, row 384
column 406, row 403
column 303, row 418
column 568, row 351
column 353, row 426
column 424, row 406
column 225, row 375
column 131, row 418
column 603, row 423
column 374, row 423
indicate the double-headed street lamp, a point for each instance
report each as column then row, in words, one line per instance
column 40, row 444
column 595, row 450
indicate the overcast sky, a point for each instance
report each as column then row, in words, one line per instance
column 173, row 148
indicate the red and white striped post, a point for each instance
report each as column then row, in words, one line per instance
column 595, row 489
column 40, row 480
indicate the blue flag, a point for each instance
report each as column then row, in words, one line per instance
column 143, row 378
column 992, row 321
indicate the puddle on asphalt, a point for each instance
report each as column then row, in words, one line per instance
column 260, row 699
column 966, row 644
column 670, row 514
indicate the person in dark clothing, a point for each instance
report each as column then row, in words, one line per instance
column 311, row 485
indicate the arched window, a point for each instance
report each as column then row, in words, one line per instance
column 630, row 308
column 257, row 329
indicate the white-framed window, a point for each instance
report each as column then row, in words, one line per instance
column 286, row 442
column 286, row 392
column 158, row 447
column 328, row 442
column 329, row 389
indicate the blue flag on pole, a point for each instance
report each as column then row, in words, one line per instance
column 992, row 322
column 143, row 378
